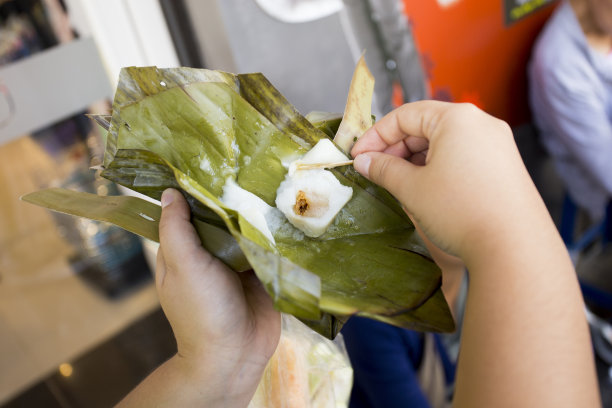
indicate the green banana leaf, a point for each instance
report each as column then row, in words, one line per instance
column 192, row 129
column 138, row 216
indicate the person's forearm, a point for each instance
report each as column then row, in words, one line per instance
column 171, row 384
column 176, row 383
column 524, row 300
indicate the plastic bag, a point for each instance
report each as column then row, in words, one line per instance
column 307, row 370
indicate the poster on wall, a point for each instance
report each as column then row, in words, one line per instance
column 515, row 10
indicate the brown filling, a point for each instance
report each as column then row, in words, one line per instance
column 310, row 204
column 301, row 203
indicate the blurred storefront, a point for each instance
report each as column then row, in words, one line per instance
column 66, row 284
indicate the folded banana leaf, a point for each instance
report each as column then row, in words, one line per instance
column 193, row 129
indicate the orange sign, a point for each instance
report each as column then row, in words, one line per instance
column 473, row 52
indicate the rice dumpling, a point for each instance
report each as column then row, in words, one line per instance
column 311, row 199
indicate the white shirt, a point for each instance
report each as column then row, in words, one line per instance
column 571, row 101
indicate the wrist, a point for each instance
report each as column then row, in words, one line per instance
column 513, row 232
column 217, row 383
column 181, row 382
column 518, row 246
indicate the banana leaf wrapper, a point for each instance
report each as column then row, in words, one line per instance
column 192, row 129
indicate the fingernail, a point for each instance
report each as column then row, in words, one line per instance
column 167, row 198
column 362, row 164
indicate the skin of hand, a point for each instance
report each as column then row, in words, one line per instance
column 225, row 325
column 460, row 168
column 457, row 171
column 453, row 270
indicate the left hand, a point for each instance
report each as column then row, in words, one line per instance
column 225, row 324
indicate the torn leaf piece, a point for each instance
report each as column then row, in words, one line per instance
column 138, row 216
column 358, row 112
column 252, row 208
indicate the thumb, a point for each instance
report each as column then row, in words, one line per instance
column 393, row 173
column 177, row 237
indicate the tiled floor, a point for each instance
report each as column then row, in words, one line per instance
column 55, row 301
column 102, row 377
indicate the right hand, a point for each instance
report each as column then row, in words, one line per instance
column 455, row 169
column 458, row 172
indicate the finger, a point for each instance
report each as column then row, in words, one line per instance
column 416, row 144
column 262, row 306
column 390, row 172
column 415, row 155
column 399, row 149
column 160, row 269
column 177, row 236
column 256, row 294
column 419, row 159
column 416, row 119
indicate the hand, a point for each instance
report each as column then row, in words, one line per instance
column 455, row 169
column 224, row 322
column 448, row 263
column 458, row 172
column 453, row 271
column 221, row 319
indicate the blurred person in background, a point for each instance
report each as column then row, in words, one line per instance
column 571, row 99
